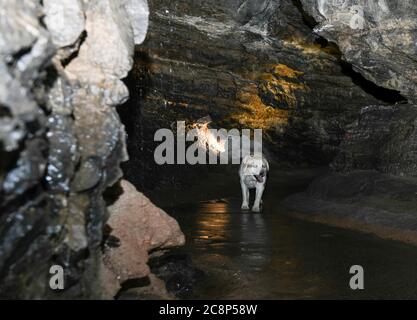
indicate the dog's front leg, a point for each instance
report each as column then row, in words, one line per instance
column 245, row 196
column 258, row 200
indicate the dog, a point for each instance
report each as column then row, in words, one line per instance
column 253, row 173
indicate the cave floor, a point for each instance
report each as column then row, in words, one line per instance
column 275, row 256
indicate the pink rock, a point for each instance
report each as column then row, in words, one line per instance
column 140, row 227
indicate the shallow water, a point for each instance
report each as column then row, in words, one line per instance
column 274, row 256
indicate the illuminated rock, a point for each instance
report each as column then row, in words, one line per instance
column 65, row 20
column 378, row 37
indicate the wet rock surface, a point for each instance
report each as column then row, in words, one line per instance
column 373, row 184
column 178, row 272
column 363, row 200
column 61, row 140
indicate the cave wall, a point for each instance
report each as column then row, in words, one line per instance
column 378, row 38
column 384, row 138
column 61, row 140
column 248, row 64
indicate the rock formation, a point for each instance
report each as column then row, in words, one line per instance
column 362, row 200
column 249, row 64
column 138, row 227
column 61, row 140
column 383, row 139
column 378, row 37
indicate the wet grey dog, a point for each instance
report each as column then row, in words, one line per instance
column 253, row 175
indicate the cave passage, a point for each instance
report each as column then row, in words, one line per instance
column 260, row 66
column 272, row 255
column 106, row 194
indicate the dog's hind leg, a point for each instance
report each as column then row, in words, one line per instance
column 258, row 200
column 245, row 196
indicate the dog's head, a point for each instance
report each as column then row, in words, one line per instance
column 255, row 166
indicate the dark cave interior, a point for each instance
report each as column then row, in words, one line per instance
column 159, row 99
column 87, row 85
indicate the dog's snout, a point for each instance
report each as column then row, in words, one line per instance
column 259, row 178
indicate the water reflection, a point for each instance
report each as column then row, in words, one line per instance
column 214, row 206
column 217, row 221
column 268, row 255
column 253, row 238
column 213, row 223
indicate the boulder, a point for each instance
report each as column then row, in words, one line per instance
column 139, row 227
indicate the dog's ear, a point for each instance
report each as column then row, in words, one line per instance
column 266, row 163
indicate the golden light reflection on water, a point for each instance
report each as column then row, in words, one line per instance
column 221, row 224
column 214, row 221
column 215, row 207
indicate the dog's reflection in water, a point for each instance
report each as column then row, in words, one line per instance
column 254, row 252
column 222, row 225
